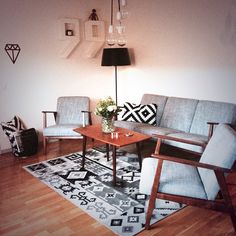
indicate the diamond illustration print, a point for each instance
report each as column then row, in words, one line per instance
column 12, row 51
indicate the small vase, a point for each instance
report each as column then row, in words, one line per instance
column 108, row 125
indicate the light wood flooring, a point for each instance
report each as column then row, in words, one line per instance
column 28, row 207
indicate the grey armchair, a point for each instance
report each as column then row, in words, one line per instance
column 72, row 112
column 190, row 182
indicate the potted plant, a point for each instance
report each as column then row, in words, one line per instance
column 107, row 109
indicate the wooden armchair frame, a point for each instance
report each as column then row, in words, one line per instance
column 165, row 137
column 223, row 205
column 191, row 142
column 45, row 113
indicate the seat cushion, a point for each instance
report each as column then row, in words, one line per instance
column 61, row 130
column 220, row 151
column 150, row 130
column 127, row 124
column 178, row 179
column 188, row 136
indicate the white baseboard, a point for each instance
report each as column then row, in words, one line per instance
column 2, row 151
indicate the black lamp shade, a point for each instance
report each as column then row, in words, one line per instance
column 115, row 57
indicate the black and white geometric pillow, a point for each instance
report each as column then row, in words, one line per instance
column 11, row 129
column 140, row 113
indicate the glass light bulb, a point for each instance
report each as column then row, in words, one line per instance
column 124, row 14
column 120, row 29
column 121, row 41
column 111, row 40
column 123, row 3
column 118, row 15
column 110, row 29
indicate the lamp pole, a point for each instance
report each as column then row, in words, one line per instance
column 116, row 85
column 115, row 57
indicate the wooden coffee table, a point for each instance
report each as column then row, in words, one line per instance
column 95, row 132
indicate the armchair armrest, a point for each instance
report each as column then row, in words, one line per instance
column 49, row 112
column 211, row 128
column 45, row 117
column 193, row 163
column 212, row 123
column 165, row 137
column 89, row 117
column 178, row 139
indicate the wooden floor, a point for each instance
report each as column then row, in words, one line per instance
column 28, row 207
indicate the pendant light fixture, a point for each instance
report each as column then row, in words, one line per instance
column 117, row 54
column 116, row 34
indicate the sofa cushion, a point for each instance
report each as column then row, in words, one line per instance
column 188, row 136
column 140, row 113
column 175, row 178
column 212, row 111
column 159, row 100
column 220, row 151
column 178, row 113
column 150, row 130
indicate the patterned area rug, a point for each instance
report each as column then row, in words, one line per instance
column 121, row 208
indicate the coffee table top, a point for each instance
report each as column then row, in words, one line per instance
column 95, row 132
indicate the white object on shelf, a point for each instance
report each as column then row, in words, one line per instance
column 69, row 33
column 94, row 37
column 94, row 30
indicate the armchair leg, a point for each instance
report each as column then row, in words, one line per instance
column 151, row 206
column 44, row 145
column 226, row 196
column 107, row 151
column 233, row 217
column 152, row 200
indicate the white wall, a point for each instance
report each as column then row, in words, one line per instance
column 181, row 48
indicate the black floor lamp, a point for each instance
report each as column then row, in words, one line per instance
column 115, row 57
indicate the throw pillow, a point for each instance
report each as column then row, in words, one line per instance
column 140, row 113
column 11, row 128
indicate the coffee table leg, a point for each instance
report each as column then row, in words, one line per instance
column 84, row 150
column 139, row 155
column 114, row 164
column 107, row 150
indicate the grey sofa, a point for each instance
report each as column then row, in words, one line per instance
column 183, row 118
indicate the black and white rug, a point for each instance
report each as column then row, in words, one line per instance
column 121, row 208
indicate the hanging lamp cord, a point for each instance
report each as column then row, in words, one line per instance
column 119, row 5
column 119, row 10
column 111, row 12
